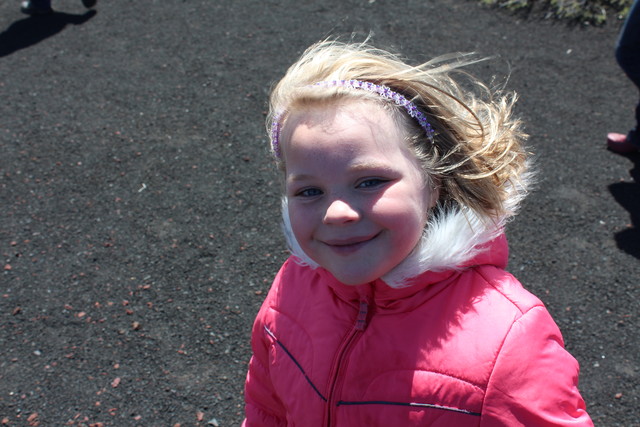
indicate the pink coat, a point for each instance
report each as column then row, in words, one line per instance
column 461, row 347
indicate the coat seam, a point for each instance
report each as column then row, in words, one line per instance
column 295, row 361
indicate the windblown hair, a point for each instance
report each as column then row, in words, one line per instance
column 477, row 157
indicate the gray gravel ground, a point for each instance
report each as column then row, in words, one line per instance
column 139, row 226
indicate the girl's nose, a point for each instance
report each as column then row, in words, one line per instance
column 340, row 212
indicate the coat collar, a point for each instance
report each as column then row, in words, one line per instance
column 416, row 290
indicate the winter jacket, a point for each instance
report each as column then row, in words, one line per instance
column 447, row 338
column 459, row 347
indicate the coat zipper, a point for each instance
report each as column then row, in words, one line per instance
column 357, row 329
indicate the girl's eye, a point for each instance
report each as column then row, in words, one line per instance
column 372, row 182
column 309, row 192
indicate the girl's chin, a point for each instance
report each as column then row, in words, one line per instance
column 354, row 280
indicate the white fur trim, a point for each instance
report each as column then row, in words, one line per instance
column 292, row 242
column 449, row 241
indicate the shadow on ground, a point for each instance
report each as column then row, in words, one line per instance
column 627, row 194
column 34, row 29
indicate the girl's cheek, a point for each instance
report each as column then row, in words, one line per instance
column 298, row 220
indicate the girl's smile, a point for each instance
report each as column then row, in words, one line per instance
column 348, row 246
column 357, row 198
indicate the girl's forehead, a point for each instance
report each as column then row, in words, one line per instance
column 354, row 134
column 338, row 115
column 361, row 121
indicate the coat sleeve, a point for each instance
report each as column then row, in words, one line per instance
column 263, row 408
column 535, row 380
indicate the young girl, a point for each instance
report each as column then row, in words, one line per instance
column 394, row 308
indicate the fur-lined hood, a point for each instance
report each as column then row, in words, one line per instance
column 453, row 237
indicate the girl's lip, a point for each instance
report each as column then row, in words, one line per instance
column 349, row 245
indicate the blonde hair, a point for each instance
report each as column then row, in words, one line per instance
column 477, row 156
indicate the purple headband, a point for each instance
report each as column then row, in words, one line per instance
column 382, row 91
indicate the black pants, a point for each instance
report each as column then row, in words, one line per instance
column 628, row 57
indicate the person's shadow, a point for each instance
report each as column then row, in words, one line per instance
column 627, row 194
column 32, row 30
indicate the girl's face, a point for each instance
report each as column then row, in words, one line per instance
column 358, row 200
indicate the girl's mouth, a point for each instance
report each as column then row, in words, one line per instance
column 349, row 246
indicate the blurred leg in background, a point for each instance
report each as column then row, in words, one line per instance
column 628, row 57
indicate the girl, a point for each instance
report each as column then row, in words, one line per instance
column 394, row 308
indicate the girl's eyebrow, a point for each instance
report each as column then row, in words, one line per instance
column 371, row 166
column 358, row 167
column 299, row 177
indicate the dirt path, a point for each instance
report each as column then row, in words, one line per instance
column 139, row 227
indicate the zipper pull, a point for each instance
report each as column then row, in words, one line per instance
column 361, row 322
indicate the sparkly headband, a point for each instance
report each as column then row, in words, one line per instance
column 382, row 91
